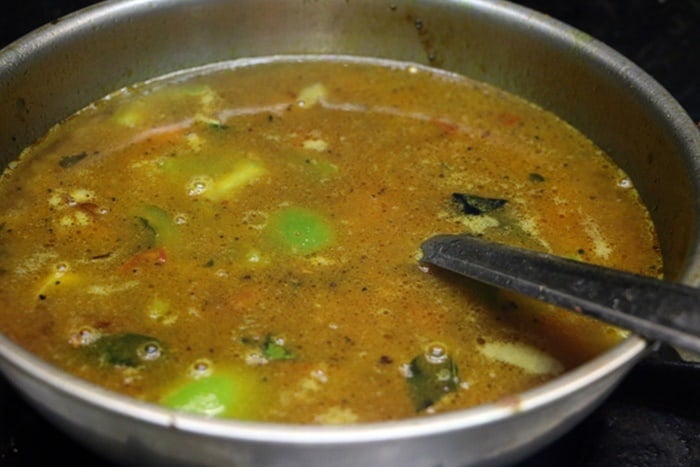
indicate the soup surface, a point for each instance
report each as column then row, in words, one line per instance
column 242, row 240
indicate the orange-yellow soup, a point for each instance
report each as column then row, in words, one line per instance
column 243, row 240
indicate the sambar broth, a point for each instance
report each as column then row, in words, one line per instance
column 242, row 240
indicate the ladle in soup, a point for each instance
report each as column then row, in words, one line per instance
column 653, row 308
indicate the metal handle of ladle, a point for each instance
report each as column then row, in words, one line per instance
column 655, row 309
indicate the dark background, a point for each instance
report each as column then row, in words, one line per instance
column 653, row 419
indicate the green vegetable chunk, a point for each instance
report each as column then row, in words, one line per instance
column 432, row 375
column 300, row 230
column 224, row 394
column 159, row 223
column 274, row 349
column 127, row 349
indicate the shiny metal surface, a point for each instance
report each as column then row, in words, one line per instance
column 52, row 72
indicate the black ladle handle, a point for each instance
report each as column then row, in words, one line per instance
column 659, row 310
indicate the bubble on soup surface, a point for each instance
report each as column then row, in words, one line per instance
column 150, row 351
column 198, row 185
column 86, row 335
column 201, row 368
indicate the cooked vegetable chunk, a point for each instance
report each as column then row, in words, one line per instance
column 230, row 394
column 216, row 177
column 159, row 223
column 244, row 172
column 274, row 349
column 300, row 231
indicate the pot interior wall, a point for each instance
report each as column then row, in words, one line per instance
column 559, row 68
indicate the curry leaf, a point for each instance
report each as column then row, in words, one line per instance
column 474, row 205
column 127, row 349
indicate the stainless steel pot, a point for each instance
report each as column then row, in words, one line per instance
column 52, row 72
